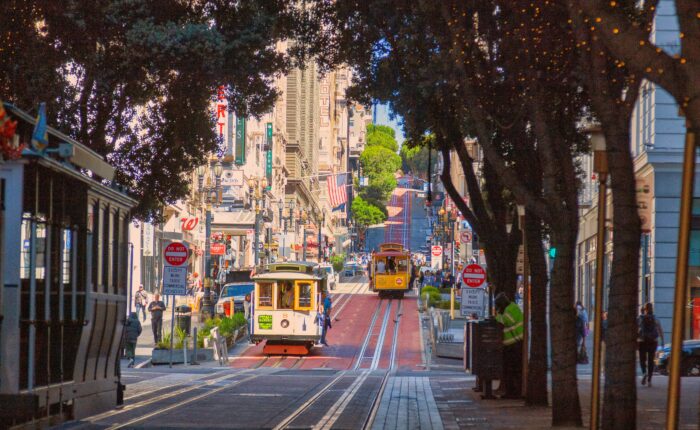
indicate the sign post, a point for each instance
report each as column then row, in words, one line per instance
column 473, row 278
column 436, row 257
column 175, row 256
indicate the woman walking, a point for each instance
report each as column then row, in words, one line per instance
column 648, row 341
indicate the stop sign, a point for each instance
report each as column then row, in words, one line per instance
column 437, row 251
column 175, row 254
column 473, row 276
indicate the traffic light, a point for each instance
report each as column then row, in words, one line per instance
column 552, row 252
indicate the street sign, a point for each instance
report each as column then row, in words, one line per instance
column 473, row 276
column 175, row 254
column 473, row 302
column 465, row 236
column 436, row 251
column 175, row 280
column 217, row 249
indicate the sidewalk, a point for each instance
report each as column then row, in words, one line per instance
column 460, row 407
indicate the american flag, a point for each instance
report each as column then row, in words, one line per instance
column 336, row 189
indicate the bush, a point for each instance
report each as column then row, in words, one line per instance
column 433, row 294
column 443, row 304
column 337, row 261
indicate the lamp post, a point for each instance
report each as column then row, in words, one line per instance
column 320, row 226
column 304, row 218
column 600, row 166
column 256, row 190
column 681, row 284
column 526, row 299
column 211, row 191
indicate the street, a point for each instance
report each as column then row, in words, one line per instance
column 378, row 372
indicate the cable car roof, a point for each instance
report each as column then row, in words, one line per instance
column 286, row 276
column 391, row 254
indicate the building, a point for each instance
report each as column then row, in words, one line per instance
column 657, row 143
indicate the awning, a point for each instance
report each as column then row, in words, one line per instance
column 232, row 220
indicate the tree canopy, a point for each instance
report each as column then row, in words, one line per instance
column 134, row 80
column 366, row 214
column 382, row 135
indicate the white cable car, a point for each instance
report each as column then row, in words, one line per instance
column 287, row 298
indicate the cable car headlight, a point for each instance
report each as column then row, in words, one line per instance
column 284, row 323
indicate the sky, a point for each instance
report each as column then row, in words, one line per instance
column 382, row 115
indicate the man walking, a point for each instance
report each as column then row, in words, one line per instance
column 648, row 340
column 510, row 315
column 327, row 305
column 156, row 308
column 140, row 300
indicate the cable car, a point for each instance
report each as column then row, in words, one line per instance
column 287, row 297
column 390, row 271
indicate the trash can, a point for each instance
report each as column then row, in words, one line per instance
column 183, row 315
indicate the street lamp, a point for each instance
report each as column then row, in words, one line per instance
column 304, row 218
column 256, row 189
column 211, row 192
column 600, row 166
column 320, row 226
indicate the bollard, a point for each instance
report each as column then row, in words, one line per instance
column 194, row 349
column 452, row 303
column 184, row 350
column 231, row 302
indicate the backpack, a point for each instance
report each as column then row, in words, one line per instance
column 648, row 331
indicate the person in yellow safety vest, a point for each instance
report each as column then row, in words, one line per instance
column 510, row 315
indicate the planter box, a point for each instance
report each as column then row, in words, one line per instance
column 162, row 356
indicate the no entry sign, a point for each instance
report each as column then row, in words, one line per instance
column 436, row 250
column 473, row 276
column 175, row 254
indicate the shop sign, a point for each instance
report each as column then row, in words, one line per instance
column 240, row 141
column 221, row 110
column 189, row 223
column 232, row 178
column 217, row 249
column 148, row 239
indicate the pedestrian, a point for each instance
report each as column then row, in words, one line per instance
column 580, row 328
column 140, row 301
column 326, row 323
column 510, row 315
column 649, row 328
column 156, row 308
column 132, row 331
column 246, row 306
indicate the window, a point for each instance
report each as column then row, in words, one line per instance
column 265, row 294
column 304, row 295
column 285, row 294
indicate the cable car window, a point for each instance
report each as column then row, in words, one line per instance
column 265, row 294
column 304, row 295
column 403, row 264
column 285, row 294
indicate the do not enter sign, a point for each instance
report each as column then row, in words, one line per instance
column 175, row 254
column 473, row 276
column 436, row 250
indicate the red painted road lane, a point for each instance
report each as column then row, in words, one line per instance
column 346, row 336
column 409, row 355
column 398, row 221
column 368, row 356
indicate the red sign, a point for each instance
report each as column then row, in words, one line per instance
column 437, row 251
column 473, row 276
column 466, row 236
column 175, row 254
column 399, row 281
column 218, row 249
column 188, row 224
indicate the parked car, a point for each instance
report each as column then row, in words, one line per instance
column 690, row 360
column 332, row 276
column 352, row 269
column 237, row 290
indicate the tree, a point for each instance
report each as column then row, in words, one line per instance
column 366, row 214
column 134, row 80
column 622, row 31
column 381, row 135
column 379, row 164
column 414, row 156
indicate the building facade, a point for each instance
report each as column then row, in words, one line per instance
column 657, row 142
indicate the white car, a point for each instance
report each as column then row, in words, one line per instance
column 332, row 276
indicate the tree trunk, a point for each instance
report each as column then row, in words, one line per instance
column 566, row 410
column 619, row 406
column 537, row 366
column 501, row 258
